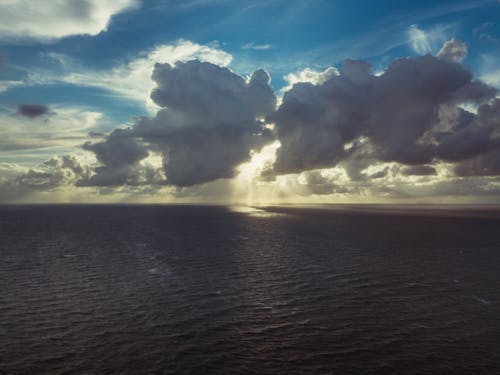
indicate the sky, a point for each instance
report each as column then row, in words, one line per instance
column 249, row 102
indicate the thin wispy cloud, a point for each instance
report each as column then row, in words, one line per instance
column 257, row 47
column 130, row 80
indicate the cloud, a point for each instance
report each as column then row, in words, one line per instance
column 492, row 78
column 257, row 47
column 419, row 170
column 410, row 114
column 8, row 84
column 54, row 173
column 482, row 165
column 32, row 110
column 132, row 79
column 211, row 121
column 208, row 125
column 29, row 139
column 425, row 41
column 423, row 125
column 419, row 41
column 453, row 50
column 119, row 156
column 310, row 75
column 53, row 19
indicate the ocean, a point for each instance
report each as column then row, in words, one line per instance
column 164, row 289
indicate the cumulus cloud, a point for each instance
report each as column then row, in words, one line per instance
column 209, row 123
column 343, row 133
column 410, row 114
column 453, row 50
column 32, row 110
column 119, row 156
column 310, row 75
column 212, row 120
column 54, row 173
column 53, row 19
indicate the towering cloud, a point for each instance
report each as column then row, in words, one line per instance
column 408, row 121
column 209, row 123
column 410, row 114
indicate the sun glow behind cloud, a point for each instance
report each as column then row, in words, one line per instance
column 337, row 131
column 248, row 181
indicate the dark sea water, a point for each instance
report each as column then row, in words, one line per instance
column 211, row 290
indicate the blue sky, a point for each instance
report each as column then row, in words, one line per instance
column 292, row 34
column 92, row 63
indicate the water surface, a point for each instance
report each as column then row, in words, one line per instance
column 195, row 290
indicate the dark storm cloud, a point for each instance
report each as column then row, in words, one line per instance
column 32, row 110
column 209, row 124
column 409, row 114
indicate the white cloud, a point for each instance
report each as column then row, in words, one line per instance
column 490, row 71
column 257, row 47
column 53, row 19
column 9, row 170
column 7, row 85
column 453, row 50
column 308, row 75
column 492, row 78
column 132, row 79
column 62, row 129
column 313, row 76
column 427, row 41
column 418, row 40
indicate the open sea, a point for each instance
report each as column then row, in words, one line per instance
column 217, row 290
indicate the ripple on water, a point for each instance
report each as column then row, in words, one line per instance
column 152, row 289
